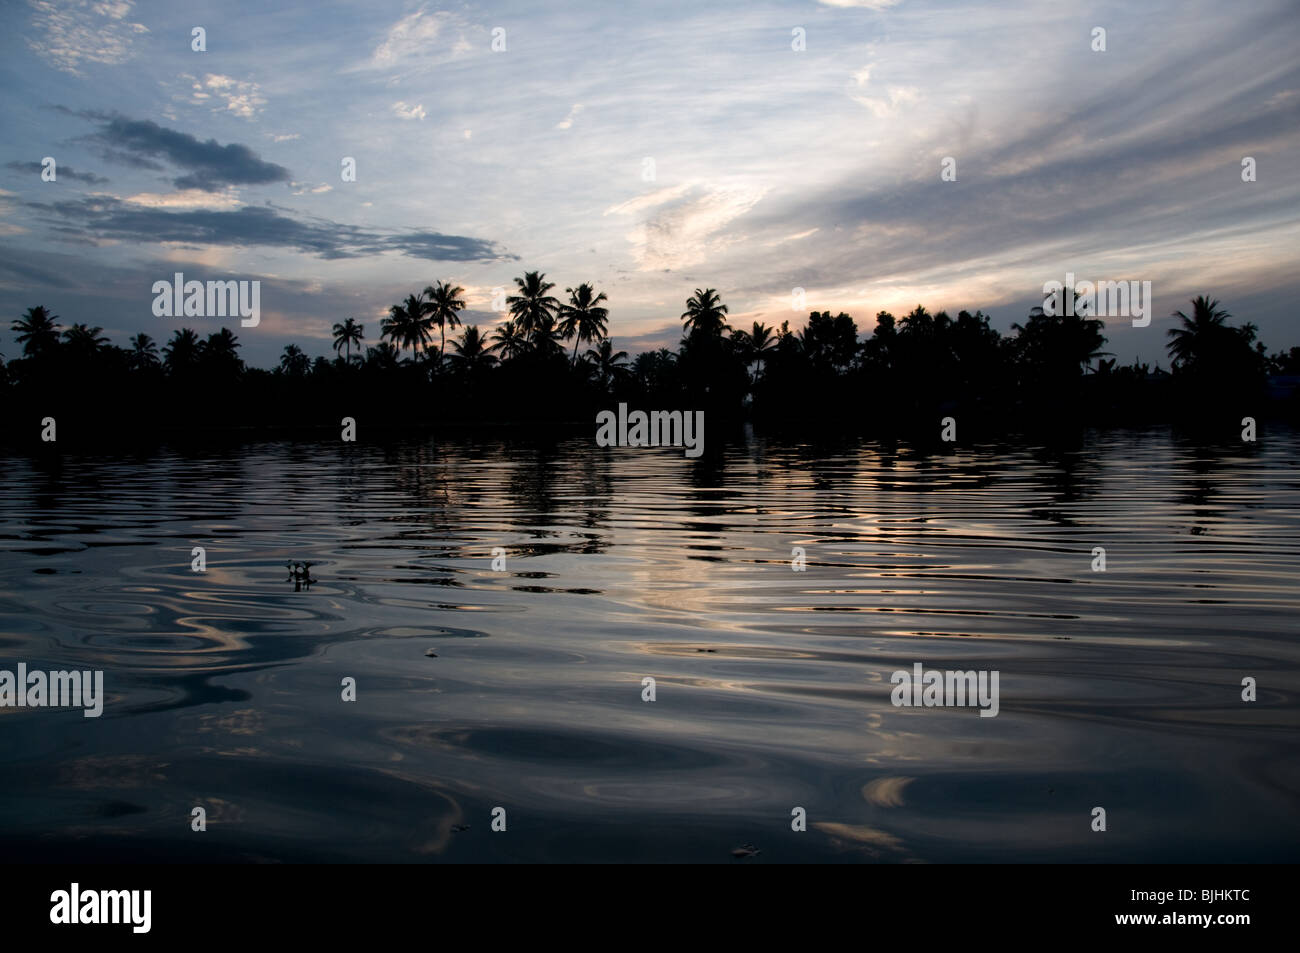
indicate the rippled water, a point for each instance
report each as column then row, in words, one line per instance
column 1119, row 689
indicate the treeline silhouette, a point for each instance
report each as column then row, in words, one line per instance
column 552, row 361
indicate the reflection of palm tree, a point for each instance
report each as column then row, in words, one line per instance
column 408, row 324
column 38, row 331
column 444, row 303
column 705, row 313
column 608, row 363
column 582, row 318
column 509, row 341
column 471, row 351
column 293, row 361
column 1200, row 334
column 144, row 352
column 532, row 306
column 346, row 335
column 181, row 351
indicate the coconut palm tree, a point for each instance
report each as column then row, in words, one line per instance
column 471, row 352
column 705, row 313
column 509, row 341
column 444, row 303
column 608, row 363
column 1200, row 334
column 84, row 341
column 582, row 318
column 532, row 306
column 383, row 356
column 409, row 324
column 221, row 351
column 181, row 351
column 1053, row 347
column 38, row 331
column 293, row 361
column 346, row 335
column 753, row 346
column 144, row 352
column 544, row 339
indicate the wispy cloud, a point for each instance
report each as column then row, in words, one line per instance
column 408, row 111
column 241, row 97
column 894, row 98
column 61, row 172
column 688, row 225
column 99, row 218
column 567, row 121
column 419, row 41
column 186, row 198
column 71, row 33
column 863, row 4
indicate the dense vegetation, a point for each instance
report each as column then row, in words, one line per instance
column 552, row 360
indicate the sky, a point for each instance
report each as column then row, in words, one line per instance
column 649, row 149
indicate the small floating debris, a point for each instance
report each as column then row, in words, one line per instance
column 430, row 653
column 748, row 850
column 706, row 650
column 299, row 575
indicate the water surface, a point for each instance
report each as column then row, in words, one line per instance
column 1119, row 689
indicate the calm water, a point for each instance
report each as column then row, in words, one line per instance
column 1118, row 689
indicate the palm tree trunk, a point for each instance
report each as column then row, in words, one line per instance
column 574, row 362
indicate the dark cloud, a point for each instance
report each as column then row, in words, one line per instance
column 105, row 217
column 211, row 166
column 438, row 247
column 62, row 172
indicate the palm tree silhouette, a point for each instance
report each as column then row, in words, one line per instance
column 347, row 334
column 293, row 361
column 509, row 341
column 181, row 351
column 753, row 346
column 582, row 318
column 384, row 356
column 409, row 324
column 1200, row 334
column 544, row 339
column 221, row 351
column 608, row 363
column 85, row 341
column 38, row 331
column 444, row 303
column 705, row 313
column 532, row 306
column 144, row 352
column 471, row 351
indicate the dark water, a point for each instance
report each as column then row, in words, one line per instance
column 1119, row 689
